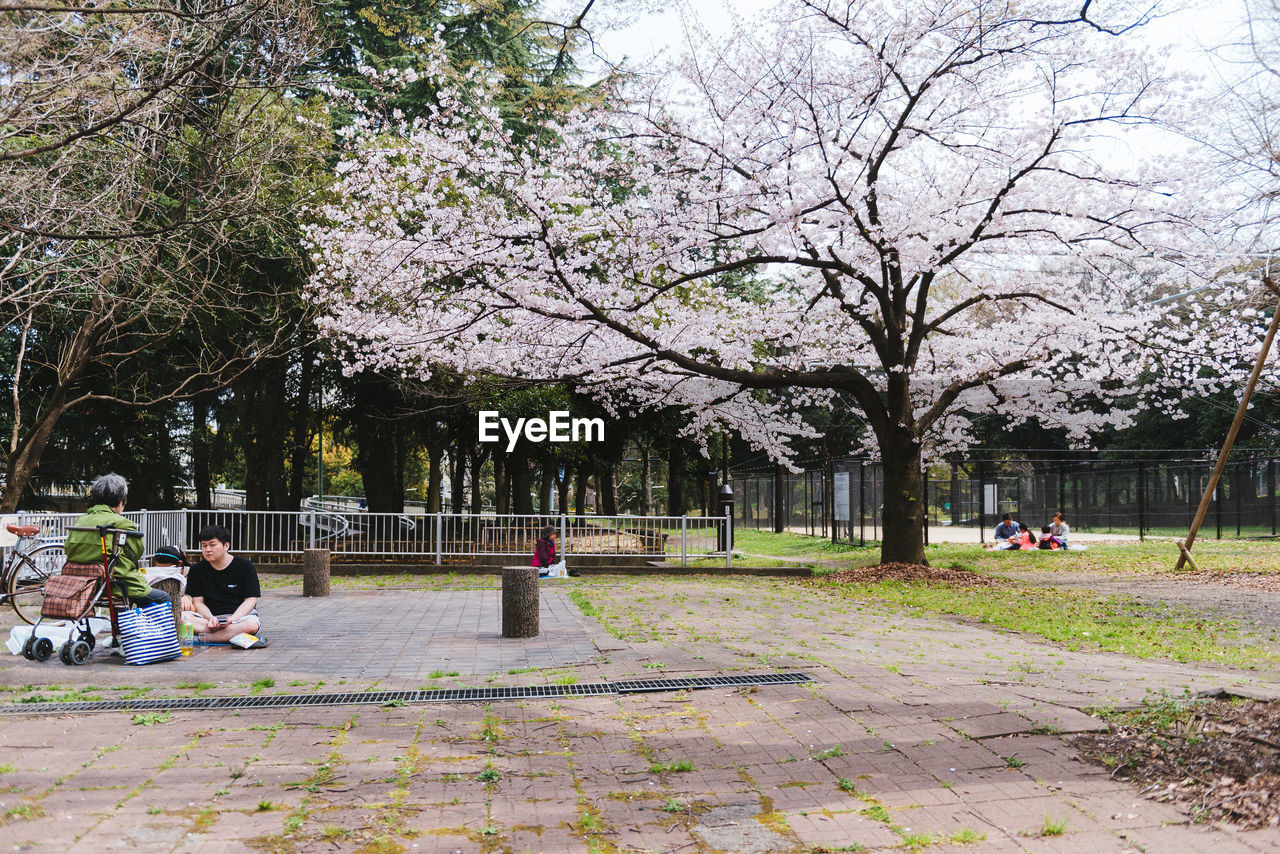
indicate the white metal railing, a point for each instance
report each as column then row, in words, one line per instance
column 430, row 536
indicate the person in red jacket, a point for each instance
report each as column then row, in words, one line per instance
column 544, row 553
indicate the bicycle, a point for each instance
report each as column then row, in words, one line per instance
column 24, row 574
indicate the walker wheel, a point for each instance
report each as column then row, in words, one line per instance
column 43, row 649
column 64, row 653
column 79, row 652
column 27, row 651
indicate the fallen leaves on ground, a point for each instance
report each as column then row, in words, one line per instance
column 1269, row 583
column 912, row 572
column 1220, row 761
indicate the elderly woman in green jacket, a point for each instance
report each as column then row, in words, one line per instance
column 106, row 503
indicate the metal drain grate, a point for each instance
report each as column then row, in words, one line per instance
column 380, row 698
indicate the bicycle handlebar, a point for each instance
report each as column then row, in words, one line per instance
column 107, row 529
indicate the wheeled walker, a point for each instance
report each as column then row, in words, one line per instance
column 74, row 595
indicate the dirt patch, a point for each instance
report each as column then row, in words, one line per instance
column 912, row 572
column 1219, row 760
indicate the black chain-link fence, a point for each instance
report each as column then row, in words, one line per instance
column 1139, row 497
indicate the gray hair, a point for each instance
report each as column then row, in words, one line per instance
column 110, row 489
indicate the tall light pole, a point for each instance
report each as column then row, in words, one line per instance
column 320, row 448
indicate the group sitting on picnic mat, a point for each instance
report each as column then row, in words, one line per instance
column 221, row 590
column 1014, row 536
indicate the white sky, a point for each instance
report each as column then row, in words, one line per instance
column 650, row 28
column 638, row 33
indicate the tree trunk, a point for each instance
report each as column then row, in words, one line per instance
column 380, row 461
column 258, row 397
column 606, row 490
column 521, row 487
column 300, row 440
column 477, row 481
column 315, row 572
column 675, row 480
column 501, row 491
column 580, row 490
column 520, row 602
column 779, row 499
column 25, row 459
column 545, row 487
column 457, row 477
column 646, row 483
column 164, row 441
column 903, row 499
column 955, row 496
column 435, row 476
column 200, row 473
column 562, row 484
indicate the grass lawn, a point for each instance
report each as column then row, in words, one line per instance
column 1154, row 557
column 738, row 560
column 1149, row 558
column 1078, row 619
column 1081, row 620
column 796, row 546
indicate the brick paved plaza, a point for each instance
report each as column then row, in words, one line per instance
column 903, row 741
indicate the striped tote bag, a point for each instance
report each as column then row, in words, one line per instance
column 148, row 635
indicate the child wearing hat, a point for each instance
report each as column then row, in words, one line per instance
column 172, row 557
column 544, row 555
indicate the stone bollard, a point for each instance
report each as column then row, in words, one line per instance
column 519, row 602
column 173, row 587
column 315, row 572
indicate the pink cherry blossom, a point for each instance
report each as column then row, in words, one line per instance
column 910, row 206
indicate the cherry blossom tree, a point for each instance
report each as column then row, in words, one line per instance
column 919, row 207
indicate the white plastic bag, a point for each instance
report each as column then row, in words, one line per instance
column 556, row 570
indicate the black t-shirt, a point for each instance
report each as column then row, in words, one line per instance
column 223, row 589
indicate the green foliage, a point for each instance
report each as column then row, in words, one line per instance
column 965, row 836
column 829, row 753
column 877, row 812
column 151, row 718
column 1053, row 827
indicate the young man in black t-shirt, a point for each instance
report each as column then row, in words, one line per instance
column 224, row 590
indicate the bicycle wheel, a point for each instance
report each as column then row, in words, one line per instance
column 29, row 572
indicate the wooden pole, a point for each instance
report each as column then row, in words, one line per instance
column 1184, row 546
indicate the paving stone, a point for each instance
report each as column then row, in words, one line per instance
column 991, row 726
column 746, row 746
column 841, row 830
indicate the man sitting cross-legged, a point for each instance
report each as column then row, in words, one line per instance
column 224, row 590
